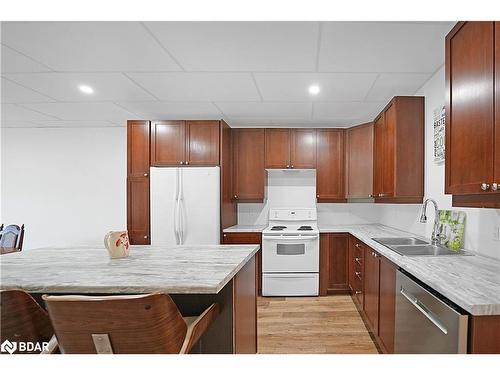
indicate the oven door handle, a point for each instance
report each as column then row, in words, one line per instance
column 291, row 238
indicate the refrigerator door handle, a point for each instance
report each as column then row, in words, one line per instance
column 180, row 208
column 176, row 209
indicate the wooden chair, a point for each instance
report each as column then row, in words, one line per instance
column 23, row 319
column 126, row 324
column 12, row 237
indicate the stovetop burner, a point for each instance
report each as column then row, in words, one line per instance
column 278, row 227
column 305, row 227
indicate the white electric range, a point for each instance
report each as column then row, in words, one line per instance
column 290, row 253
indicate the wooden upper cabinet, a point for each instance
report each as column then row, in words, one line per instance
column 202, row 144
column 330, row 165
column 303, row 148
column 277, row 148
column 249, row 165
column 137, row 148
column 470, row 72
column 168, row 143
column 398, row 153
column 378, row 155
column 184, row 143
column 359, row 161
column 290, row 148
column 138, row 222
column 497, row 106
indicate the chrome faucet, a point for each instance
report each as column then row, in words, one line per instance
column 436, row 233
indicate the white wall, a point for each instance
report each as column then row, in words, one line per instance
column 67, row 185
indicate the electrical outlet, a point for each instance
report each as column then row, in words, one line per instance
column 496, row 233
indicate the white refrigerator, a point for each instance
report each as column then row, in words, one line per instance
column 185, row 206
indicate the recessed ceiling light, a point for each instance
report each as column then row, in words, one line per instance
column 86, row 89
column 314, row 89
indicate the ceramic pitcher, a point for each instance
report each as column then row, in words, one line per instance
column 117, row 244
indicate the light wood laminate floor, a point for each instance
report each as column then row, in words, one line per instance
column 295, row 325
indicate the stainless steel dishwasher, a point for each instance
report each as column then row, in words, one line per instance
column 426, row 323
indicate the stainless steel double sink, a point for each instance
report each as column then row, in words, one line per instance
column 411, row 246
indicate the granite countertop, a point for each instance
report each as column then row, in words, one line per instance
column 471, row 282
column 148, row 269
column 245, row 228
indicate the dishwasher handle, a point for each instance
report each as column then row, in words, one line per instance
column 424, row 310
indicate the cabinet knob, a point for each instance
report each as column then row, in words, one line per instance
column 370, row 195
column 495, row 186
column 182, row 163
column 357, row 292
column 224, row 235
column 145, row 237
column 291, row 166
column 145, row 175
column 317, row 196
column 485, row 186
column 288, row 166
column 381, row 195
column 357, row 245
column 186, row 162
column 235, row 197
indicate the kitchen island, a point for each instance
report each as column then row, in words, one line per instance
column 194, row 276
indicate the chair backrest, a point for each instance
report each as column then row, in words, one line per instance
column 135, row 324
column 12, row 236
column 23, row 320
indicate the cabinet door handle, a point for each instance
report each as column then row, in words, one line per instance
column 495, row 186
column 357, row 292
column 485, row 186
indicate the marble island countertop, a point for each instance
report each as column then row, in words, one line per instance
column 471, row 282
column 148, row 269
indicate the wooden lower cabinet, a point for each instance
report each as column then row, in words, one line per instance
column 484, row 335
column 371, row 288
column 387, row 304
column 244, row 238
column 334, row 265
column 356, row 270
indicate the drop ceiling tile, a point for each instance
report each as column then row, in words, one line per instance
column 76, row 124
column 300, row 110
column 88, row 46
column 347, row 110
column 382, row 46
column 173, row 110
column 240, row 46
column 12, row 62
column 198, row 86
column 82, row 111
column 13, row 112
column 14, row 93
column 334, row 86
column 64, row 86
column 391, row 84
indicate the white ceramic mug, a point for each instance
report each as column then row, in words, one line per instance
column 117, row 244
